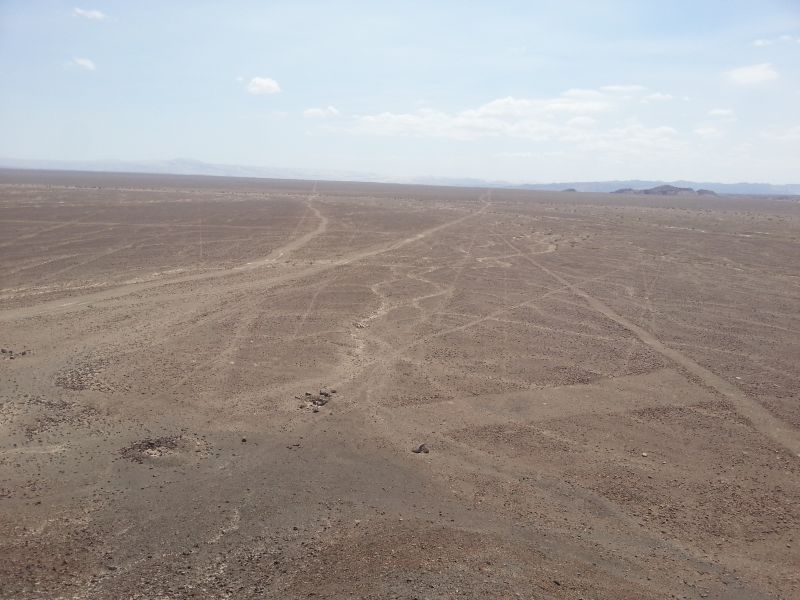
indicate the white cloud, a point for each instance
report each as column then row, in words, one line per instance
column 582, row 121
column 515, row 155
column 723, row 113
column 625, row 89
column 708, row 132
column 83, row 63
column 263, row 85
column 658, row 97
column 789, row 134
column 753, row 74
column 781, row 39
column 588, row 121
column 320, row 113
column 95, row 15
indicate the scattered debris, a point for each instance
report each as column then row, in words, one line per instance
column 11, row 355
column 421, row 449
column 151, row 447
column 314, row 401
column 84, row 376
column 181, row 445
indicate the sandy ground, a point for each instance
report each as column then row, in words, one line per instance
column 608, row 387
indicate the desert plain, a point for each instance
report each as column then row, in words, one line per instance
column 607, row 388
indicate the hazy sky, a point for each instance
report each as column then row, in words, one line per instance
column 520, row 91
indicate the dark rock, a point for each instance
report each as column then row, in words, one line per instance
column 421, row 449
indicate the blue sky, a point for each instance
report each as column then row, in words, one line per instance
column 518, row 91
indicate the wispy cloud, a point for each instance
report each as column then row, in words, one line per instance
column 320, row 113
column 83, row 63
column 722, row 113
column 708, row 132
column 781, row 39
column 753, row 74
column 624, row 89
column 790, row 134
column 587, row 119
column 658, row 97
column 95, row 15
column 515, row 155
column 263, row 85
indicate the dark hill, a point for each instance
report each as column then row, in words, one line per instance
column 666, row 190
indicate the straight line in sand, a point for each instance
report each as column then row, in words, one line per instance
column 760, row 417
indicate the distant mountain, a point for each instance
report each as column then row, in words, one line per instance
column 704, row 187
column 185, row 166
column 666, row 190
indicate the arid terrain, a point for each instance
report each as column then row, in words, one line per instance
column 607, row 387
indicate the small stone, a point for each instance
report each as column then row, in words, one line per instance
column 421, row 449
column 644, row 454
column 244, row 440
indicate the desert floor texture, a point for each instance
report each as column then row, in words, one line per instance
column 608, row 388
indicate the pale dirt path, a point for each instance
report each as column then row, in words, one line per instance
column 761, row 418
column 76, row 302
